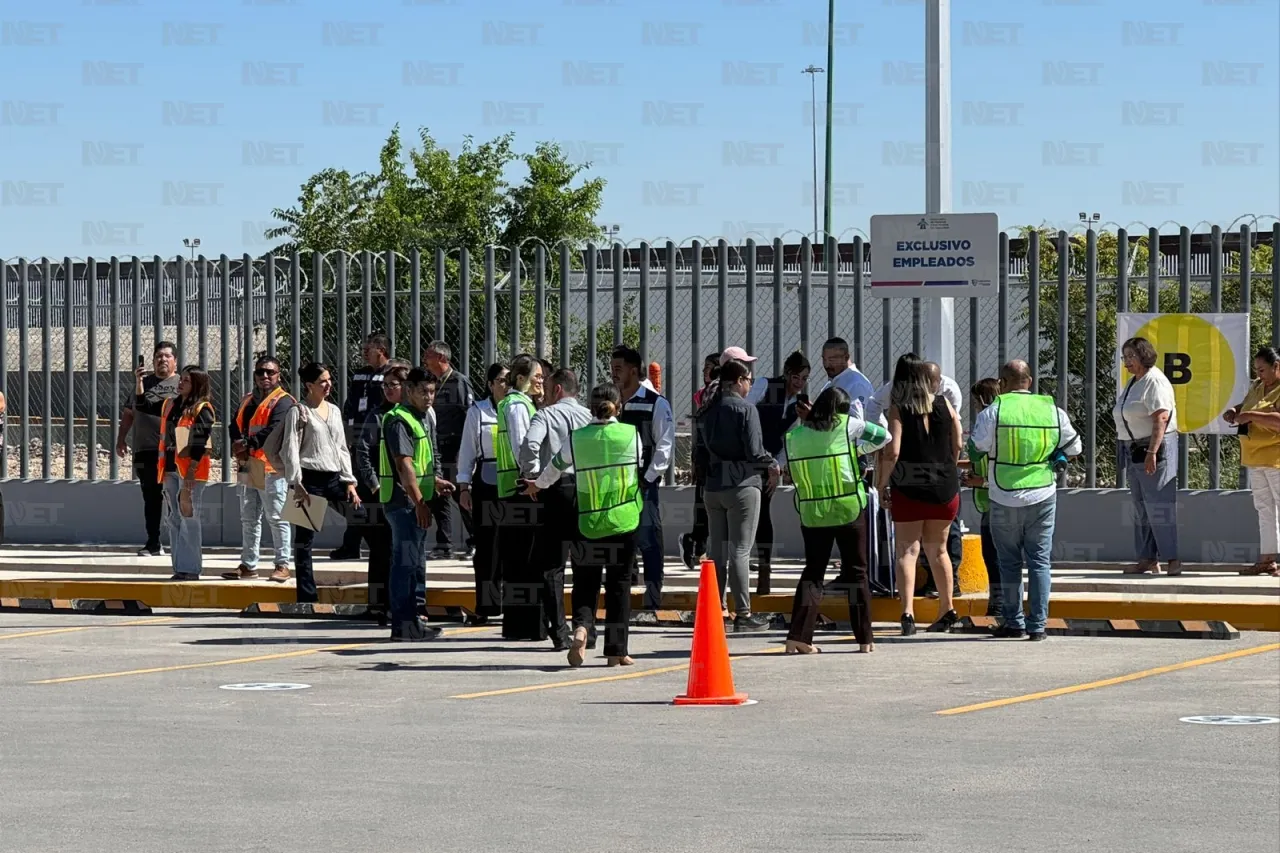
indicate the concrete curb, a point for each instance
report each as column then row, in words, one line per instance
column 1146, row 628
column 1262, row 615
column 83, row 606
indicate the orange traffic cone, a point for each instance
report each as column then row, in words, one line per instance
column 710, row 675
column 655, row 375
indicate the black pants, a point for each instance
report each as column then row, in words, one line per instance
column 353, row 535
column 613, row 557
column 991, row 559
column 852, row 539
column 371, row 527
column 701, row 526
column 486, row 514
column 325, row 484
column 144, row 468
column 764, row 544
column 551, row 545
column 521, row 583
column 444, row 522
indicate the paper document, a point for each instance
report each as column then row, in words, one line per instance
column 310, row 516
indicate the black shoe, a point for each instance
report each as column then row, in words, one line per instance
column 151, row 552
column 440, row 554
column 1036, row 636
column 752, row 624
column 477, row 620
column 944, row 623
column 415, row 632
column 469, row 553
column 908, row 625
column 344, row 554
column 686, row 549
column 1008, row 632
column 184, row 576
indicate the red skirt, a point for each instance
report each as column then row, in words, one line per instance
column 905, row 509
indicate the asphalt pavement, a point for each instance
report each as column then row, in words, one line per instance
column 472, row 743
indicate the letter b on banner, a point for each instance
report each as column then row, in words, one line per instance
column 1177, row 367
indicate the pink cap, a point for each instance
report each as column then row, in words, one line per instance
column 735, row 354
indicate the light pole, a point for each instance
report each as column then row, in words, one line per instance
column 813, row 71
column 191, row 243
column 831, row 81
column 1091, row 221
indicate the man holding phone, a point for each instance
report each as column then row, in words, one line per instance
column 140, row 418
column 779, row 407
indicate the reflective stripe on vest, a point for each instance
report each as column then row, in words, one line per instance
column 423, row 465
column 182, row 463
column 261, row 416
column 608, row 479
column 505, row 457
column 824, row 467
column 979, row 466
column 1027, row 435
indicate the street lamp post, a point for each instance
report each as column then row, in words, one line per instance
column 191, row 243
column 813, row 71
column 831, row 79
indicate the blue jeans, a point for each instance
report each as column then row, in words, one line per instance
column 184, row 533
column 254, row 504
column 408, row 579
column 649, row 538
column 1020, row 532
column 1155, row 503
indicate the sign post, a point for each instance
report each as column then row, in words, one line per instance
column 939, row 314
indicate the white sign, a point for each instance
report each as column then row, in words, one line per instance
column 947, row 254
column 264, row 686
column 1234, row 720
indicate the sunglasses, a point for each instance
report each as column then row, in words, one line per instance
column 265, row 372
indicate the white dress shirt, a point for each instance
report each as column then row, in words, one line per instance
column 984, row 439
column 879, row 402
column 518, row 418
column 858, row 387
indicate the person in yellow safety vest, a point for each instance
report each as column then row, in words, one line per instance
column 182, row 467
column 821, row 456
column 1026, row 437
column 983, row 394
column 261, row 413
column 521, row 613
column 605, row 456
column 409, row 478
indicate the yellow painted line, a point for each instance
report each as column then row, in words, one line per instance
column 627, row 676
column 1108, row 682
column 234, row 661
column 46, row 632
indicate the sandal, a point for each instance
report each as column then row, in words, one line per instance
column 796, row 647
column 624, row 660
column 577, row 651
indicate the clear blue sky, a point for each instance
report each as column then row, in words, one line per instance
column 744, row 166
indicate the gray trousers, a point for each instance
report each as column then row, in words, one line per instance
column 732, row 516
column 1155, row 503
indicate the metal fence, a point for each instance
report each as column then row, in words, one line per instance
column 73, row 330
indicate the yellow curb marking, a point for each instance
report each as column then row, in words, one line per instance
column 1108, row 682
column 233, row 661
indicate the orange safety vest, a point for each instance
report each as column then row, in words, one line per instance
column 182, row 462
column 261, row 415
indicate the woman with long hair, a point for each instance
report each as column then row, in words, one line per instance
column 522, row 614
column 606, row 457
column 919, row 481
column 821, row 455
column 316, row 462
column 186, row 429
column 478, row 491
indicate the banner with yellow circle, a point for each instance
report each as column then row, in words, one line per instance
column 1205, row 357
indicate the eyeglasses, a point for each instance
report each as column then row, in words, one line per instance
column 391, row 384
column 265, row 372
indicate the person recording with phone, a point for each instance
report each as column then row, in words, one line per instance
column 140, row 431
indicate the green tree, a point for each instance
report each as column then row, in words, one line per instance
column 427, row 198
column 1105, row 377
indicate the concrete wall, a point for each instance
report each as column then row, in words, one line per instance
column 1093, row 525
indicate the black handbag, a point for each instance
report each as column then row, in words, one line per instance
column 1137, row 450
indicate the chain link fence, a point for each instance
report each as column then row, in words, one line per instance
column 74, row 330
